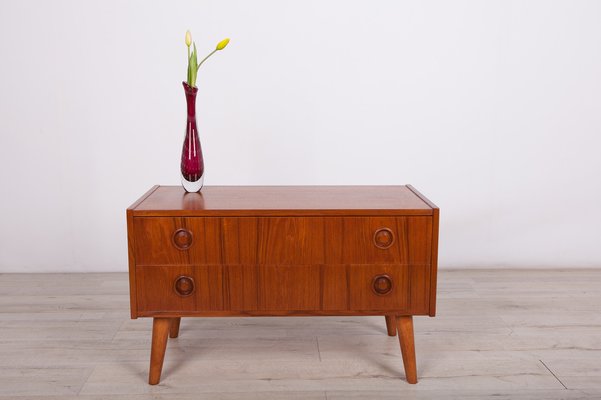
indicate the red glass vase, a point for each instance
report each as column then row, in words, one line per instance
column 192, row 166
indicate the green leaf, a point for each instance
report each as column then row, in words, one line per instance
column 188, row 71
column 193, row 67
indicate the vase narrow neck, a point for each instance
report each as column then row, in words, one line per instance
column 190, row 100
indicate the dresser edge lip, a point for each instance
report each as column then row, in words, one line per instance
column 285, row 213
column 422, row 197
column 277, row 313
column 143, row 197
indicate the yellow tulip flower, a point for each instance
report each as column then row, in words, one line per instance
column 188, row 38
column 221, row 45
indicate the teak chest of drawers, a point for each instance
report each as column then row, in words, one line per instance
column 282, row 251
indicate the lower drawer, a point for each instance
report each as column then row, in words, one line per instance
column 179, row 288
column 260, row 288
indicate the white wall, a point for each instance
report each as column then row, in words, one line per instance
column 490, row 108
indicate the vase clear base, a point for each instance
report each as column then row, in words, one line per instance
column 193, row 187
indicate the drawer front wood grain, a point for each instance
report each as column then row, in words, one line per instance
column 242, row 287
column 240, row 238
column 379, row 287
column 177, row 241
column 290, row 241
column 334, row 287
column 179, row 288
column 295, row 288
column 378, row 240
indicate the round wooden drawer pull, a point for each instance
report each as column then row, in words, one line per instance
column 382, row 285
column 182, row 239
column 383, row 238
column 184, row 286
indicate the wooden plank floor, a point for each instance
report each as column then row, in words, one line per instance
column 502, row 334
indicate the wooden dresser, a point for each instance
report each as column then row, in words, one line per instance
column 282, row 251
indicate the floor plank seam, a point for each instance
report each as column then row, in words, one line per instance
column 86, row 380
column 318, row 352
column 552, row 373
column 118, row 330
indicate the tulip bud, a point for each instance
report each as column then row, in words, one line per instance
column 188, row 38
column 221, row 45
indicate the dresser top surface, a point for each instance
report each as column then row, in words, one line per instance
column 283, row 200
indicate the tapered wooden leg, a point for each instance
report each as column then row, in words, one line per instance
column 160, row 332
column 405, row 330
column 391, row 325
column 174, row 328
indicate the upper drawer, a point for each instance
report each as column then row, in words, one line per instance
column 283, row 240
column 381, row 240
column 169, row 241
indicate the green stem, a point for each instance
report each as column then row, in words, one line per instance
column 205, row 59
column 189, row 79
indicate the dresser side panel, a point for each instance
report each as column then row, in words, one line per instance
column 434, row 264
column 131, row 251
column 419, row 229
